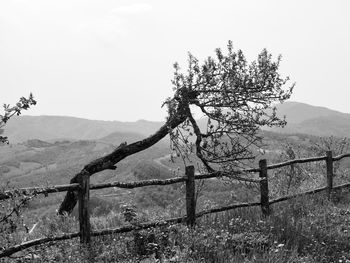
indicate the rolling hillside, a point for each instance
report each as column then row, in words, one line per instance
column 313, row 120
column 41, row 163
column 298, row 112
column 50, row 128
column 37, row 162
column 301, row 118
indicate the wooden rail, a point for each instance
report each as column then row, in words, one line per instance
column 129, row 185
column 303, row 160
column 12, row 250
column 83, row 188
column 339, row 157
column 38, row 190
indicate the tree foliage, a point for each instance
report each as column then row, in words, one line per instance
column 236, row 99
column 10, row 111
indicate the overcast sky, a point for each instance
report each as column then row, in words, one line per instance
column 112, row 60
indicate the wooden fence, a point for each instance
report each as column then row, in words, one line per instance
column 84, row 187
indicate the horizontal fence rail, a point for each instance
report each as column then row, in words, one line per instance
column 128, row 185
column 339, row 157
column 303, row 160
column 12, row 250
column 38, row 190
column 64, row 188
column 83, row 188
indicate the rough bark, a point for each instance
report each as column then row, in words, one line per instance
column 121, row 152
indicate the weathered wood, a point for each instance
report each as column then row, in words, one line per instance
column 329, row 164
column 232, row 175
column 130, row 185
column 303, row 160
column 38, row 190
column 226, row 208
column 339, row 157
column 174, row 180
column 190, row 196
column 314, row 191
column 284, row 198
column 75, row 186
column 84, row 217
column 12, row 250
column 25, row 245
column 172, row 220
column 126, row 229
column 264, row 187
column 142, row 183
column 341, row 186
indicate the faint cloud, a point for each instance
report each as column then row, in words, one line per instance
column 132, row 9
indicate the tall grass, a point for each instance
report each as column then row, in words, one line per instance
column 308, row 229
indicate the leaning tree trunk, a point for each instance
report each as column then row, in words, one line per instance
column 122, row 151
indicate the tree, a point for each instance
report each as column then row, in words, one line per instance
column 9, row 112
column 10, row 213
column 236, row 97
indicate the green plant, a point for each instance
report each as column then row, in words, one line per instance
column 9, row 112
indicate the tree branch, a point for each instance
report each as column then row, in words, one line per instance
column 198, row 133
column 121, row 152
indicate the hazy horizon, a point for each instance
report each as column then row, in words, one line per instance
column 112, row 60
column 27, row 113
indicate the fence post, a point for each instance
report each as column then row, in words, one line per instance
column 84, row 217
column 264, row 188
column 190, row 196
column 329, row 163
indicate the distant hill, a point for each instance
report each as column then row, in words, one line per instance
column 298, row 112
column 50, row 128
column 314, row 120
column 116, row 138
column 301, row 118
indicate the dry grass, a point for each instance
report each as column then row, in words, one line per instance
column 302, row 230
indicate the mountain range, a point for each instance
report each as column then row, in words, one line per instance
column 50, row 128
column 302, row 118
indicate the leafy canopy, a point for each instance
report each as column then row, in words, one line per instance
column 236, row 98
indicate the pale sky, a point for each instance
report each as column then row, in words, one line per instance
column 112, row 60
